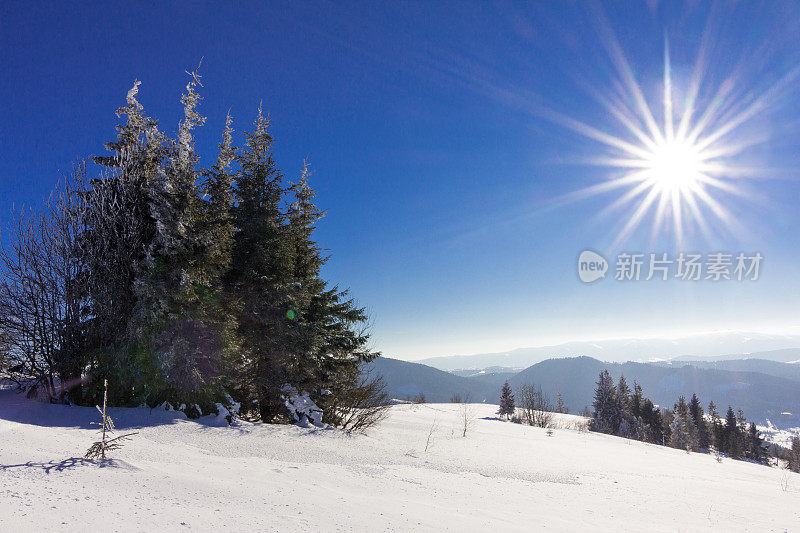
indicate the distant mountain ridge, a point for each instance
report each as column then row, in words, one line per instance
column 764, row 390
column 405, row 380
column 721, row 345
column 787, row 355
column 763, row 366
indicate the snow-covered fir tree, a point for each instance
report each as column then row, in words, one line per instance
column 195, row 283
column 218, row 218
column 683, row 433
column 117, row 213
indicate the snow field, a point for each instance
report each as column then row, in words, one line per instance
column 178, row 474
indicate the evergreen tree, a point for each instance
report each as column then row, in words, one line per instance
column 261, row 275
column 655, row 423
column 793, row 461
column 668, row 418
column 178, row 318
column 560, row 407
column 188, row 293
column 731, row 438
column 717, row 436
column 756, row 449
column 330, row 334
column 623, row 407
column 699, row 422
column 606, row 416
column 218, row 218
column 311, row 301
column 742, row 433
column 139, row 141
column 623, row 394
column 161, row 333
column 118, row 216
column 683, row 433
column 637, row 400
column 645, row 419
column 506, row 401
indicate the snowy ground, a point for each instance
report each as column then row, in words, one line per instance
column 178, row 474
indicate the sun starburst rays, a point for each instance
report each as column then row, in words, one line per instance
column 670, row 170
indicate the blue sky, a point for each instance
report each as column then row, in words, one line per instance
column 441, row 139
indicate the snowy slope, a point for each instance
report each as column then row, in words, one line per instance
column 183, row 475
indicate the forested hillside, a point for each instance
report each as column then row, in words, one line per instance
column 761, row 395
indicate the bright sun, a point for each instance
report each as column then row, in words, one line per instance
column 670, row 170
column 674, row 166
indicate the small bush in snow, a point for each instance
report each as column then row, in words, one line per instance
column 466, row 417
column 536, row 407
column 361, row 403
column 105, row 444
column 429, row 440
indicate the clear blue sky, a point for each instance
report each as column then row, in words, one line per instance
column 441, row 141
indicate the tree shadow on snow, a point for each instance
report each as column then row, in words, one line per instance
column 15, row 407
column 67, row 464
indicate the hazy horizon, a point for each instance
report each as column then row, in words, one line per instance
column 788, row 332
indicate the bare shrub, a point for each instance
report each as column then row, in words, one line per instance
column 574, row 424
column 466, row 417
column 106, row 444
column 581, row 425
column 785, row 481
column 41, row 305
column 361, row 404
column 429, row 440
column 536, row 406
column 419, row 398
column 455, row 398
